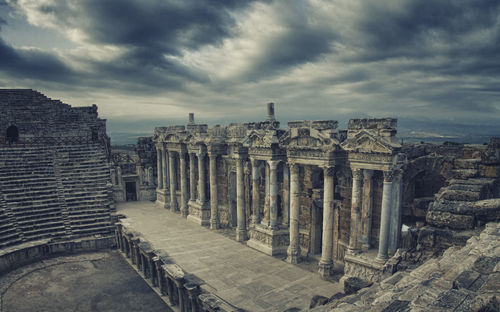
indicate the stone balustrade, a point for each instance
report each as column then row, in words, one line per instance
column 181, row 291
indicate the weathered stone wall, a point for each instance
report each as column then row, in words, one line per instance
column 41, row 120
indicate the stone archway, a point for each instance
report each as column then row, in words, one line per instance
column 12, row 134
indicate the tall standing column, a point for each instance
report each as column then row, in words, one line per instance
column 214, row 212
column 241, row 230
column 173, row 182
column 159, row 164
column 326, row 263
column 201, row 178
column 366, row 209
column 182, row 161
column 119, row 175
column 395, row 218
column 166, row 168
column 255, row 191
column 294, row 247
column 385, row 216
column 266, row 218
column 273, row 192
column 357, row 175
column 192, row 177
column 286, row 196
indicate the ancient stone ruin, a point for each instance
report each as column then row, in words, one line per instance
column 356, row 201
column 55, row 189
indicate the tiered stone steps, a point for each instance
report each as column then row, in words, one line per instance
column 454, row 204
column 84, row 176
column 462, row 279
column 30, row 188
column 53, row 191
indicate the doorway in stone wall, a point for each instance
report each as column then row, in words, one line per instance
column 131, row 192
column 12, row 134
column 316, row 237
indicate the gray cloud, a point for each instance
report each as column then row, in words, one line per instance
column 321, row 59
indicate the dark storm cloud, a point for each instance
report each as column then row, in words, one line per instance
column 34, row 64
column 149, row 32
column 411, row 30
column 163, row 26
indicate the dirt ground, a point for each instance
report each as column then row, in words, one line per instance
column 100, row 281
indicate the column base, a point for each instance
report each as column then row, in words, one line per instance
column 241, row 235
column 270, row 241
column 214, row 224
column 185, row 212
column 163, row 198
column 199, row 213
column 365, row 266
column 325, row 269
column 293, row 255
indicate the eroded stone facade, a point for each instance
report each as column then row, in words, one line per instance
column 288, row 191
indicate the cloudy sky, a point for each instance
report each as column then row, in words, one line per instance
column 223, row 60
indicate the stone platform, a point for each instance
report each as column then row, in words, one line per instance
column 244, row 277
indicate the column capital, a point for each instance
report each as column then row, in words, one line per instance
column 357, row 173
column 367, row 173
column 254, row 161
column 328, row 170
column 273, row 164
column 201, row 154
column 294, row 167
column 212, row 155
column 389, row 175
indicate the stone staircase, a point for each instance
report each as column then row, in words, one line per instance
column 462, row 279
column 456, row 205
column 84, row 177
column 53, row 192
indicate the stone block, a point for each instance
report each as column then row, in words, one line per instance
column 465, row 279
column 317, row 301
column 450, row 220
column 489, row 171
column 487, row 210
column 353, row 284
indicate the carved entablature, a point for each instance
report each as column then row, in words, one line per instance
column 264, row 143
column 372, row 143
column 312, row 140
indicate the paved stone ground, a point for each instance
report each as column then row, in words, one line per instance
column 101, row 281
column 238, row 274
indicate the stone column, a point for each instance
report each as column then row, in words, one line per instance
column 286, row 196
column 138, row 171
column 294, row 247
column 119, row 175
column 326, row 263
column 159, row 164
column 255, row 191
column 366, row 209
column 266, row 217
column 273, row 193
column 241, row 230
column 214, row 213
column 201, row 178
column 385, row 216
column 184, row 207
column 173, row 182
column 192, row 177
column 166, row 170
column 395, row 218
column 357, row 175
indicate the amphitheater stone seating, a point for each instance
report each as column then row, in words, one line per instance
column 53, row 192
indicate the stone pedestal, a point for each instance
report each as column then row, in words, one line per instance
column 365, row 266
column 270, row 241
column 199, row 213
column 163, row 198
